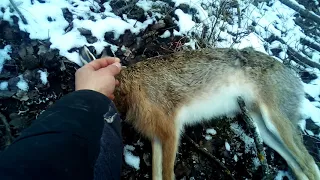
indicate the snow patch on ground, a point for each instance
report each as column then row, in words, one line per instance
column 227, row 145
column 166, row 34
column 211, row 131
column 4, row 85
column 282, row 174
column 46, row 21
column 130, row 159
column 43, row 77
column 22, row 84
column 4, row 55
column 185, row 21
column 249, row 142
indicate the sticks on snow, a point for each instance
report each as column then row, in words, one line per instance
column 24, row 20
column 257, row 138
column 205, row 152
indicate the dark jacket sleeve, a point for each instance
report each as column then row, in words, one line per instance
column 64, row 142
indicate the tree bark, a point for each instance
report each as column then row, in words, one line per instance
column 310, row 44
column 302, row 11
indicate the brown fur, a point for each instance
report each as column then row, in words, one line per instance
column 152, row 93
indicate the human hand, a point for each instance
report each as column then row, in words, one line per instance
column 98, row 75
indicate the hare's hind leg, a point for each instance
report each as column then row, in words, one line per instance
column 280, row 134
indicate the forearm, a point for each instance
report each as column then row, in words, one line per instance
column 65, row 138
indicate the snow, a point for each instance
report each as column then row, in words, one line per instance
column 166, row 34
column 235, row 158
column 202, row 14
column 22, row 84
column 282, row 174
column 39, row 27
column 4, row 55
column 249, row 142
column 43, row 77
column 308, row 110
column 145, row 5
column 227, row 145
column 4, row 85
column 185, row 22
column 211, row 131
column 256, row 162
column 208, row 137
column 129, row 158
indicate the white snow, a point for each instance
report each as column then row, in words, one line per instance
column 235, row 158
column 166, row 34
column 282, row 174
column 256, row 162
column 4, row 85
column 41, row 28
column 308, row 110
column 249, row 142
column 211, row 131
column 43, row 77
column 227, row 145
column 130, row 159
column 185, row 22
column 145, row 5
column 202, row 14
column 4, row 55
column 22, row 84
column 208, row 137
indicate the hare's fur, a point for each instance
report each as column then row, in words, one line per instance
column 164, row 93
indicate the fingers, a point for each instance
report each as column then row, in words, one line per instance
column 111, row 96
column 101, row 63
column 113, row 69
column 117, row 82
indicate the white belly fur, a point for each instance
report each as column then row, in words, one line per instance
column 215, row 102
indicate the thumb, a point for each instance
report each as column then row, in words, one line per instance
column 112, row 69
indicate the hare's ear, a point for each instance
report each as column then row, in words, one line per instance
column 85, row 55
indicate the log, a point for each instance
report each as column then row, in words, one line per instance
column 257, row 138
column 301, row 11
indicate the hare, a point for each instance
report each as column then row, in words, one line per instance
column 162, row 94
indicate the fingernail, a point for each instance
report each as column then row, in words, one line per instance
column 117, row 64
column 117, row 59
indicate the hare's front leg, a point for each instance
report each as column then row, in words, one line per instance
column 156, row 159
column 164, row 149
column 169, row 151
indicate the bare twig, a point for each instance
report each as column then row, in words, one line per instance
column 125, row 8
column 24, row 20
column 205, row 152
column 257, row 138
column 7, row 129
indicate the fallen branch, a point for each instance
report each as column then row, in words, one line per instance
column 257, row 138
column 205, row 152
column 298, row 58
column 302, row 59
column 123, row 9
column 301, row 10
column 7, row 130
column 310, row 44
column 24, row 20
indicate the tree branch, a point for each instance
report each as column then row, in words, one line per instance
column 24, row 20
column 301, row 10
column 205, row 152
column 257, row 138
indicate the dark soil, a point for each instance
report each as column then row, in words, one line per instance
column 20, row 109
